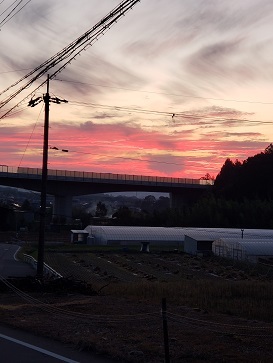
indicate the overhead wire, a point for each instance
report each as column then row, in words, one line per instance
column 218, row 327
column 15, row 112
column 16, row 70
column 165, row 93
column 117, row 157
column 30, row 137
column 9, row 16
column 8, row 7
column 69, row 53
column 74, row 314
column 173, row 115
column 200, row 324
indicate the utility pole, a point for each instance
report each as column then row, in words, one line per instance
column 41, row 242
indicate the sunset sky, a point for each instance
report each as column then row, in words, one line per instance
column 173, row 89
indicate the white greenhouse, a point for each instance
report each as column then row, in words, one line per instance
column 125, row 236
column 244, row 249
column 226, row 242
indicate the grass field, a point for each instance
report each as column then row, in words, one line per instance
column 213, row 283
column 218, row 310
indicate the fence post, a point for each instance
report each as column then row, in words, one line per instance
column 165, row 330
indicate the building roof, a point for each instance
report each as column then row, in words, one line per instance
column 252, row 247
column 176, row 233
column 216, row 233
column 136, row 233
column 79, row 231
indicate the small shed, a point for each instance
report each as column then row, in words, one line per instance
column 79, row 236
column 200, row 244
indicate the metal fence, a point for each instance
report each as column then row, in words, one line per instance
column 87, row 176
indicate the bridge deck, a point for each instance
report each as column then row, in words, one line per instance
column 35, row 173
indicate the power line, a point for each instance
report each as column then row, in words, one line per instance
column 173, row 115
column 165, row 93
column 122, row 108
column 16, row 70
column 30, row 136
column 8, row 7
column 70, row 52
column 116, row 157
column 9, row 16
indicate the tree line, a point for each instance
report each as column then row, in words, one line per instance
column 241, row 197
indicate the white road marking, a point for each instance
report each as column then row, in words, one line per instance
column 14, row 256
column 44, row 351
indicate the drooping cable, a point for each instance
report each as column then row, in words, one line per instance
column 69, row 53
column 10, row 15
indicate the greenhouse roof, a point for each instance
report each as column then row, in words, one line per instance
column 257, row 247
column 201, row 235
column 216, row 233
column 177, row 233
column 137, row 233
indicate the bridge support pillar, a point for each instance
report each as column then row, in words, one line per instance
column 62, row 208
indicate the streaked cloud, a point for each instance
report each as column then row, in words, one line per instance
column 170, row 90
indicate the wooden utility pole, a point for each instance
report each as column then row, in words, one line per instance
column 41, row 242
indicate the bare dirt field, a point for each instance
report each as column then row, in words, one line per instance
column 216, row 311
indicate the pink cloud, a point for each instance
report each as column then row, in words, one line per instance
column 120, row 148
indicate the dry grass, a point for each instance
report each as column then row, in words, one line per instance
column 216, row 311
column 212, row 284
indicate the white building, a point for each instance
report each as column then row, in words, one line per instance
column 243, row 249
column 126, row 236
column 234, row 243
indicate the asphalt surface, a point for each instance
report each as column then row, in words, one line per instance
column 20, row 347
column 9, row 266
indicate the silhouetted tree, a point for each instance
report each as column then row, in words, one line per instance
column 123, row 216
column 26, row 206
column 101, row 210
column 148, row 204
column 250, row 179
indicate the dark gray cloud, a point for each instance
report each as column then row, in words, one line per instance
column 104, row 116
column 213, row 116
column 167, row 163
column 244, row 136
column 230, row 61
column 212, row 16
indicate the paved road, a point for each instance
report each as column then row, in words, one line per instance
column 20, row 347
column 9, row 266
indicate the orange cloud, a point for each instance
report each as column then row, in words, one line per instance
column 120, row 148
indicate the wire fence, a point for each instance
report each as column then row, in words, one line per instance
column 186, row 323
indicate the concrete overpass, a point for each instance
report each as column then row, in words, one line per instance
column 64, row 184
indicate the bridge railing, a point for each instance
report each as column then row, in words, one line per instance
column 86, row 176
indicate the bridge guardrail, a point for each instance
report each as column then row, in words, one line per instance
column 49, row 272
column 86, row 176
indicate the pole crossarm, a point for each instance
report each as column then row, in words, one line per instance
column 46, row 98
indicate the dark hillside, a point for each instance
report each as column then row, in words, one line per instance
column 251, row 179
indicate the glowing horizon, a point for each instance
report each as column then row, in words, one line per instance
column 169, row 91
